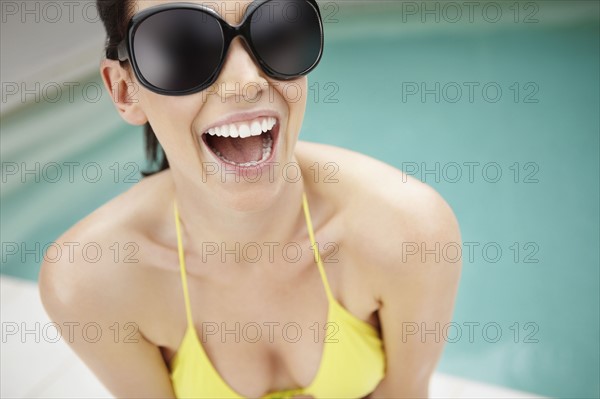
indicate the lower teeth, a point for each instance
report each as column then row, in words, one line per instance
column 266, row 152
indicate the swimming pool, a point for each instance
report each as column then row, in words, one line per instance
column 501, row 118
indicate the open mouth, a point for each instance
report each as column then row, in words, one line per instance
column 243, row 144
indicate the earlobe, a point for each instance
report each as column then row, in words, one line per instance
column 123, row 92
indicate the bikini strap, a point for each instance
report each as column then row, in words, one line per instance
column 315, row 248
column 182, row 267
column 184, row 283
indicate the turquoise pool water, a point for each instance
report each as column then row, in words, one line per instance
column 542, row 135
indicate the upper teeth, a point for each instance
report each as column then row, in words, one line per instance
column 244, row 129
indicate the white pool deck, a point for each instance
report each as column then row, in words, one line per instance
column 36, row 368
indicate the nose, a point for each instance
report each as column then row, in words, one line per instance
column 240, row 76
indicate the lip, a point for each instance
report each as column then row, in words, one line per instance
column 239, row 117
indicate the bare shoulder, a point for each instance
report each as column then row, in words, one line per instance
column 100, row 256
column 104, row 305
column 384, row 209
column 391, row 225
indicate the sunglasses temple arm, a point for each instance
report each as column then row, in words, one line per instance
column 122, row 53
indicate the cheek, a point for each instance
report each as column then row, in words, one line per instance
column 171, row 117
column 295, row 94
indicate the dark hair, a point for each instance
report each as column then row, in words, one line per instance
column 115, row 15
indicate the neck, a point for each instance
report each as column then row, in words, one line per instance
column 211, row 226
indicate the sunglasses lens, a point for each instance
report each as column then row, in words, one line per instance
column 179, row 49
column 287, row 35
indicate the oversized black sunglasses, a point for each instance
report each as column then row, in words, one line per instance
column 180, row 48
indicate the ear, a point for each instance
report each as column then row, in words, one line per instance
column 123, row 91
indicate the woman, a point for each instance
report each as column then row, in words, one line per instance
column 263, row 266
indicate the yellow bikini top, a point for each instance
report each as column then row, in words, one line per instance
column 351, row 366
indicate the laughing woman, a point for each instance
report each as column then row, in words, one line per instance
column 254, row 276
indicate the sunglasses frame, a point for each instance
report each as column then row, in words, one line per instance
column 229, row 32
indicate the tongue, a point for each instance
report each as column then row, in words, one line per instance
column 238, row 150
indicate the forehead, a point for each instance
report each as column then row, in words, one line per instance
column 231, row 11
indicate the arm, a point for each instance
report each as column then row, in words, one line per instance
column 417, row 293
column 126, row 363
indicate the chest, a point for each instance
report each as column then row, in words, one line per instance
column 269, row 334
